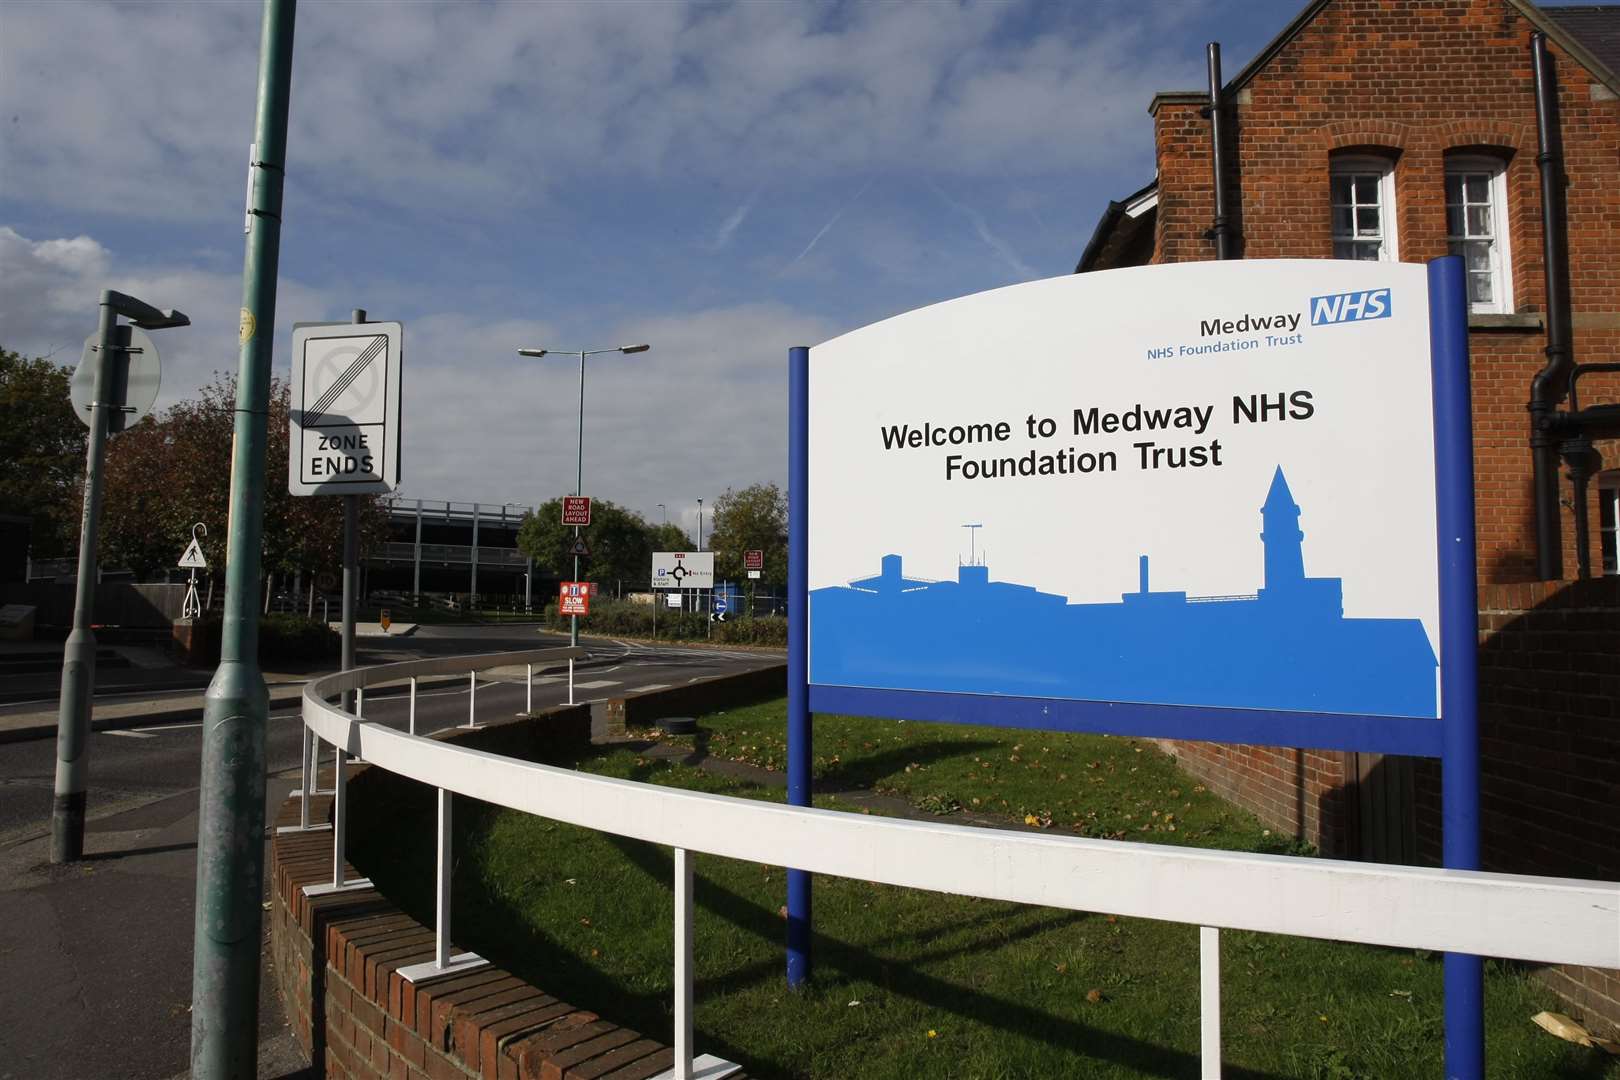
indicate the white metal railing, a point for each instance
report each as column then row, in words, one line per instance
column 1540, row 919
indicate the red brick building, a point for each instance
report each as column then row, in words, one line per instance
column 1406, row 129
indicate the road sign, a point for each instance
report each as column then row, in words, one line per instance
column 326, row 581
column 345, row 408
column 683, row 570
column 135, row 377
column 753, row 560
column 576, row 510
column 720, row 607
column 673, row 600
column 579, row 548
column 753, row 575
column 193, row 559
column 575, row 598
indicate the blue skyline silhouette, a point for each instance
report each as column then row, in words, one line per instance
column 1286, row 646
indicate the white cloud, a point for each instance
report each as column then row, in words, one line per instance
column 486, row 107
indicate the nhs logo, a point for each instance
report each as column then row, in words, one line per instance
column 1350, row 306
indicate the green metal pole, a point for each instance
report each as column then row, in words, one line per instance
column 79, row 657
column 230, row 822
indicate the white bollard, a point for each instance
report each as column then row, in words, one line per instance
column 528, row 693
column 570, row 680
column 472, row 698
column 413, row 705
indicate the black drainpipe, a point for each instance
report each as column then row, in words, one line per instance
column 1551, row 383
column 1222, row 232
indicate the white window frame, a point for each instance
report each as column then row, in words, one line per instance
column 1609, row 532
column 1384, row 169
column 1495, row 170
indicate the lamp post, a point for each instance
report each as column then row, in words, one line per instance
column 79, row 656
column 700, row 524
column 665, row 509
column 579, row 468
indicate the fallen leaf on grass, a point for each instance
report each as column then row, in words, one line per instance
column 1094, row 996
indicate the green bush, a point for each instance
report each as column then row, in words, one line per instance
column 293, row 637
column 621, row 618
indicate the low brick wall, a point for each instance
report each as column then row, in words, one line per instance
column 707, row 695
column 337, row 958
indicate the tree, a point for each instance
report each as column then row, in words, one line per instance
column 667, row 537
column 42, row 447
column 172, row 470
column 620, row 542
column 753, row 519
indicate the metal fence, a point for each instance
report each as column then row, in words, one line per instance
column 1537, row 919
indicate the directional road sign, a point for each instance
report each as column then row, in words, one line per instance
column 683, row 570
column 345, row 408
column 576, row 510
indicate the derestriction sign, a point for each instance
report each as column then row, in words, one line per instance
column 345, row 408
column 1205, row 488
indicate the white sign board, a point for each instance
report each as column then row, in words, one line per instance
column 1205, row 484
column 345, row 408
column 673, row 600
column 683, row 570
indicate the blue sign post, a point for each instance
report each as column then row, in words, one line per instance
column 1301, row 661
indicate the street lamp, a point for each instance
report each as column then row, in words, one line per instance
column 700, row 524
column 79, row 654
column 579, row 470
column 665, row 509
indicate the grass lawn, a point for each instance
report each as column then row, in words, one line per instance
column 911, row 983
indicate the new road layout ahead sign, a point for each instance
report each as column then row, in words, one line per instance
column 345, row 408
column 576, row 510
column 683, row 570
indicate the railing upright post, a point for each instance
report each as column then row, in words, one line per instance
column 413, row 705
column 339, row 825
column 1209, row 1001
column 683, row 965
column 306, row 774
column 441, row 946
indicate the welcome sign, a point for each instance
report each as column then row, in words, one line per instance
column 1193, row 501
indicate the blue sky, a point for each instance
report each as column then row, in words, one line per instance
column 722, row 181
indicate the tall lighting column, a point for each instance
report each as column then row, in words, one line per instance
column 579, row 468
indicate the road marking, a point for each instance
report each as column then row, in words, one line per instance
column 596, row 684
column 173, row 727
column 131, row 734
column 650, row 686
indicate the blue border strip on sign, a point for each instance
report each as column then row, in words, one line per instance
column 1415, row 736
column 1459, row 643
column 798, row 658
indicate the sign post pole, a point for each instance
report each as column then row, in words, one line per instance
column 230, row 817
column 1459, row 648
column 351, row 563
column 798, row 657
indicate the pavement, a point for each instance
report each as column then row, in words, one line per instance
column 106, row 942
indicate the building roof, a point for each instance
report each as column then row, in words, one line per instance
column 1597, row 28
column 1126, row 225
column 1590, row 35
